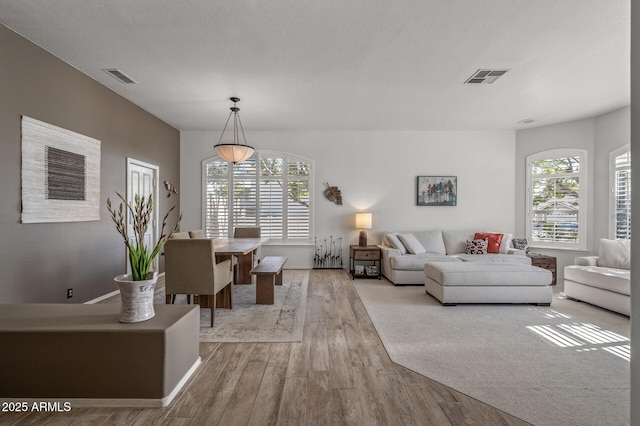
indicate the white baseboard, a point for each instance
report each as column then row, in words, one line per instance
column 103, row 297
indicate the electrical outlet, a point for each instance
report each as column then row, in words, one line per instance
column 69, row 293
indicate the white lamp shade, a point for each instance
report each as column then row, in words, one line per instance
column 363, row 220
column 233, row 152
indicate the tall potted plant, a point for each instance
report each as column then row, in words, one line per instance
column 137, row 288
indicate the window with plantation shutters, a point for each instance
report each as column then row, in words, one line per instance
column 216, row 198
column 271, row 196
column 244, row 210
column 271, row 190
column 620, row 204
column 298, row 200
column 557, row 199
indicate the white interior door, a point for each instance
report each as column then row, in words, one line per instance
column 142, row 180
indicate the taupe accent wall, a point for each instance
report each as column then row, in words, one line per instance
column 38, row 262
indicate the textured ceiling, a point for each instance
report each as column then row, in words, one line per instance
column 345, row 64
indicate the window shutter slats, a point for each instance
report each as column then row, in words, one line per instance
column 555, row 202
column 298, row 210
column 269, row 190
column 622, row 196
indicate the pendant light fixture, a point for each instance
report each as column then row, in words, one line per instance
column 234, row 152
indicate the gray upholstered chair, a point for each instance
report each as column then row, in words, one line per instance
column 246, row 232
column 191, row 268
column 197, row 234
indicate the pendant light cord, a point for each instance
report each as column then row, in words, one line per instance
column 236, row 123
column 225, row 127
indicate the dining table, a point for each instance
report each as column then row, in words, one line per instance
column 243, row 250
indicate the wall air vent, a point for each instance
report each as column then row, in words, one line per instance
column 485, row 76
column 120, row 76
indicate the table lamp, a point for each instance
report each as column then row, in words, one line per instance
column 363, row 221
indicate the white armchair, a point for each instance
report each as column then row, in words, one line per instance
column 603, row 280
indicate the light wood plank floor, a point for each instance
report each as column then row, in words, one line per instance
column 340, row 374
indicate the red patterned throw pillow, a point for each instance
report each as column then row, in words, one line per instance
column 477, row 246
column 494, row 241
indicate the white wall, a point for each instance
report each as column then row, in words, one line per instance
column 612, row 131
column 376, row 172
column 599, row 136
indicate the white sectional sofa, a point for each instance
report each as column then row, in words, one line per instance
column 401, row 266
column 602, row 280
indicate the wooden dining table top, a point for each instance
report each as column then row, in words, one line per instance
column 237, row 246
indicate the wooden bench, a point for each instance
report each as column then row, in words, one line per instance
column 268, row 274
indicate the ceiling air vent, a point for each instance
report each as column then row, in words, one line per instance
column 120, row 76
column 485, row 76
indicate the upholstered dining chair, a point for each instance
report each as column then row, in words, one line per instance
column 191, row 268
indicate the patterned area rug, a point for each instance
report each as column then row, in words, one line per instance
column 247, row 322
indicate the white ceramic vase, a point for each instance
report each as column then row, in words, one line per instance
column 136, row 298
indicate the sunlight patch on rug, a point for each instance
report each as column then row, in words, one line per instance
column 567, row 364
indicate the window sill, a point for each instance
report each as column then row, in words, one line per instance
column 288, row 243
column 578, row 250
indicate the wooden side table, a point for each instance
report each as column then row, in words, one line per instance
column 545, row 262
column 365, row 254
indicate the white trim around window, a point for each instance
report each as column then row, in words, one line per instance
column 273, row 190
column 620, row 193
column 557, row 199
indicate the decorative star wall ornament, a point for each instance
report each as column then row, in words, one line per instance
column 333, row 194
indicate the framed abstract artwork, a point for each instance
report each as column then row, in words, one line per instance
column 60, row 174
column 437, row 191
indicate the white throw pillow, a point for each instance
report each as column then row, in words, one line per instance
column 412, row 244
column 395, row 242
column 505, row 245
column 615, row 253
column 431, row 241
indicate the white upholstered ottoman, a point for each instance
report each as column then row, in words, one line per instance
column 473, row 282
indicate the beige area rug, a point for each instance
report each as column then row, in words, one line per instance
column 567, row 364
column 247, row 322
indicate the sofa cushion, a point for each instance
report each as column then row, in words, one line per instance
column 394, row 241
column 493, row 258
column 486, row 274
column 456, row 241
column 431, row 241
column 477, row 246
column 412, row 244
column 493, row 241
column 416, row 262
column 612, row 279
column 615, row 253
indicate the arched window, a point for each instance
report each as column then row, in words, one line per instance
column 557, row 205
column 271, row 190
column 620, row 199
